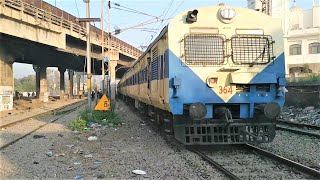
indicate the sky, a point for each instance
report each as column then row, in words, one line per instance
column 122, row 19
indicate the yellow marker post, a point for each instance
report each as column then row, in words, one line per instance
column 103, row 104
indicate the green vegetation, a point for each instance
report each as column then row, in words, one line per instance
column 25, row 84
column 305, row 68
column 87, row 117
column 311, row 79
column 78, row 124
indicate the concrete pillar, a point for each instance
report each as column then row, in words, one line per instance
column 36, row 68
column 70, row 72
column 6, row 81
column 43, row 94
column 78, row 83
column 113, row 61
column 62, row 86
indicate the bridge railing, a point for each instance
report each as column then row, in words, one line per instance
column 52, row 18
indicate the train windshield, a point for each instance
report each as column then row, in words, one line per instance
column 251, row 49
column 204, row 49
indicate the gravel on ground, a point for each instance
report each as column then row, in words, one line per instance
column 55, row 152
column 246, row 164
column 299, row 148
column 308, row 115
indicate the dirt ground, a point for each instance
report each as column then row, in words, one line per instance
column 55, row 152
column 28, row 107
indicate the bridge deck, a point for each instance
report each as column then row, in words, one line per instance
column 43, row 11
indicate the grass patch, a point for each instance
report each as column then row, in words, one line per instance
column 312, row 79
column 78, row 124
column 87, row 117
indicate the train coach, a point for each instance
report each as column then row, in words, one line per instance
column 214, row 75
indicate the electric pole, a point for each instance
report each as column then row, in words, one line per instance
column 87, row 20
column 102, row 46
column 109, row 49
column 89, row 75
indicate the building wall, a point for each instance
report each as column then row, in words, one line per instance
column 299, row 27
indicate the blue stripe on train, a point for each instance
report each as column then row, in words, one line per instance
column 247, row 109
column 193, row 89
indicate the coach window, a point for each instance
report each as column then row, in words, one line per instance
column 314, row 48
column 295, row 49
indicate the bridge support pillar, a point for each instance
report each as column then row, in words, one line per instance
column 62, row 86
column 78, row 77
column 43, row 93
column 6, row 81
column 113, row 61
column 36, row 68
column 70, row 72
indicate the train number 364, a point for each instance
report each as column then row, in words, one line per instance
column 225, row 89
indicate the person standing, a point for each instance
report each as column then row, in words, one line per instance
column 80, row 94
column 92, row 95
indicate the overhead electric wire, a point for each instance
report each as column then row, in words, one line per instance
column 142, row 24
column 132, row 10
column 164, row 14
column 159, row 28
column 175, row 10
column 75, row 1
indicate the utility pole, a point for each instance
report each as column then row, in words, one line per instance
column 102, row 47
column 89, row 75
column 88, row 20
column 109, row 49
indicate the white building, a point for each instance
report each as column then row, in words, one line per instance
column 301, row 33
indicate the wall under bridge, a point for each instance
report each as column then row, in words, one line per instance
column 303, row 96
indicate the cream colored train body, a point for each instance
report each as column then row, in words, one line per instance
column 210, row 68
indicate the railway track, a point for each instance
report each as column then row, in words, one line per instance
column 62, row 112
column 298, row 128
column 250, row 162
column 54, row 111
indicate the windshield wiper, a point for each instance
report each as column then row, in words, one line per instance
column 262, row 54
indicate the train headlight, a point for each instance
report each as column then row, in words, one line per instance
column 227, row 14
column 192, row 16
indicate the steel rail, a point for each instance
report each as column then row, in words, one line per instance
column 215, row 164
column 41, row 126
column 297, row 131
column 300, row 167
column 300, row 125
column 53, row 111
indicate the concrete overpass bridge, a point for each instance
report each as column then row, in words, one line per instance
column 35, row 32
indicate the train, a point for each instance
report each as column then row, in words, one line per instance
column 214, row 75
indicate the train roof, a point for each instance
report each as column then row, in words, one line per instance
column 163, row 31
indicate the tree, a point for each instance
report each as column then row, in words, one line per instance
column 25, row 84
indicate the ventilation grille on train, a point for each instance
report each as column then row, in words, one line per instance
column 251, row 49
column 203, row 49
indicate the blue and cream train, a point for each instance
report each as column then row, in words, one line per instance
column 214, row 75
